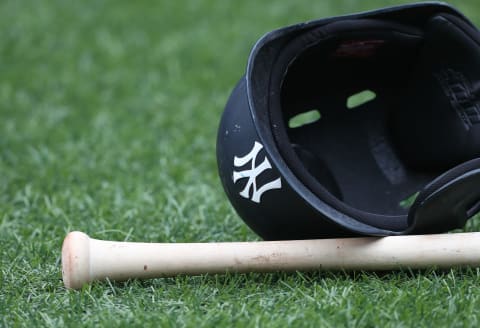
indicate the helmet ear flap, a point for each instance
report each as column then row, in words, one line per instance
column 435, row 122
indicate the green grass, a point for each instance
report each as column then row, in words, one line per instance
column 108, row 118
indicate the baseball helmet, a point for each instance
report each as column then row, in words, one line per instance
column 364, row 124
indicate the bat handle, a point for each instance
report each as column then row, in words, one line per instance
column 85, row 259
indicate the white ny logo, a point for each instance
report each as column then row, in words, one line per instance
column 253, row 173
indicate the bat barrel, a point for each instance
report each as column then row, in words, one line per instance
column 85, row 259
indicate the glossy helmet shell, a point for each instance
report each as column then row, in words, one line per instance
column 350, row 172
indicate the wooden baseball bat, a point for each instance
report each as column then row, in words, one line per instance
column 85, row 259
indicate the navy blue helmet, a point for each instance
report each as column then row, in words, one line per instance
column 365, row 124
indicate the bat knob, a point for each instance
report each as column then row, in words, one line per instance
column 76, row 260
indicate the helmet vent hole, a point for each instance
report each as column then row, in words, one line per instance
column 304, row 118
column 407, row 202
column 360, row 99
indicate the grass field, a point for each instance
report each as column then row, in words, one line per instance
column 108, row 119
